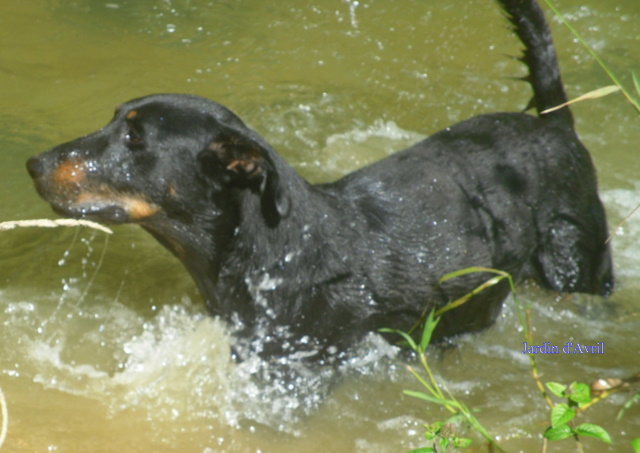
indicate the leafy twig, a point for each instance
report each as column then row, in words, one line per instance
column 47, row 223
column 5, row 418
column 596, row 57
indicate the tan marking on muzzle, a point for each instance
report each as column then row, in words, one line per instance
column 139, row 208
column 69, row 172
column 136, row 206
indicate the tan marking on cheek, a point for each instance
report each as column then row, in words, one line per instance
column 132, row 114
column 138, row 208
column 69, row 172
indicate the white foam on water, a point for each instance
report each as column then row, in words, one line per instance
column 347, row 151
column 625, row 224
column 177, row 367
column 388, row 130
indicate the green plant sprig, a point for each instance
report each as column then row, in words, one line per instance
column 636, row 82
column 577, row 395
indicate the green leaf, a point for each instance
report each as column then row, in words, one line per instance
column 432, row 399
column 588, row 429
column 579, row 393
column 556, row 389
column 423, row 450
column 561, row 414
column 636, row 82
column 429, row 435
column 634, row 399
column 429, row 326
column 444, row 443
column 432, row 430
column 461, row 300
column 558, row 433
column 461, row 442
column 461, row 272
column 635, row 443
column 595, row 94
column 456, row 419
column 404, row 335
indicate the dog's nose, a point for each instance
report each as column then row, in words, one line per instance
column 35, row 167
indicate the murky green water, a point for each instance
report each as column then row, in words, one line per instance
column 104, row 344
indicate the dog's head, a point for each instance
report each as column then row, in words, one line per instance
column 162, row 157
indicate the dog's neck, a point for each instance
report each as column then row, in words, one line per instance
column 197, row 239
column 221, row 257
column 313, row 217
column 284, row 275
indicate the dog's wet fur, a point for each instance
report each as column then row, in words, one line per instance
column 314, row 267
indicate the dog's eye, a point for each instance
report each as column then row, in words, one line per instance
column 132, row 137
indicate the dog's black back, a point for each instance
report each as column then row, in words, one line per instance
column 308, row 268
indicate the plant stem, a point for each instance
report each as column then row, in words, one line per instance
column 426, row 367
column 594, row 400
column 534, row 366
column 595, row 56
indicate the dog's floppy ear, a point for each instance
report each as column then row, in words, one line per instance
column 234, row 160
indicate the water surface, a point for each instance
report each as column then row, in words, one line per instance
column 105, row 345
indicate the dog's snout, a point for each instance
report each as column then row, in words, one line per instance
column 35, row 167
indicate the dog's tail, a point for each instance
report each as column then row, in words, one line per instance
column 539, row 55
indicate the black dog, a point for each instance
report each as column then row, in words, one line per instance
column 313, row 267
